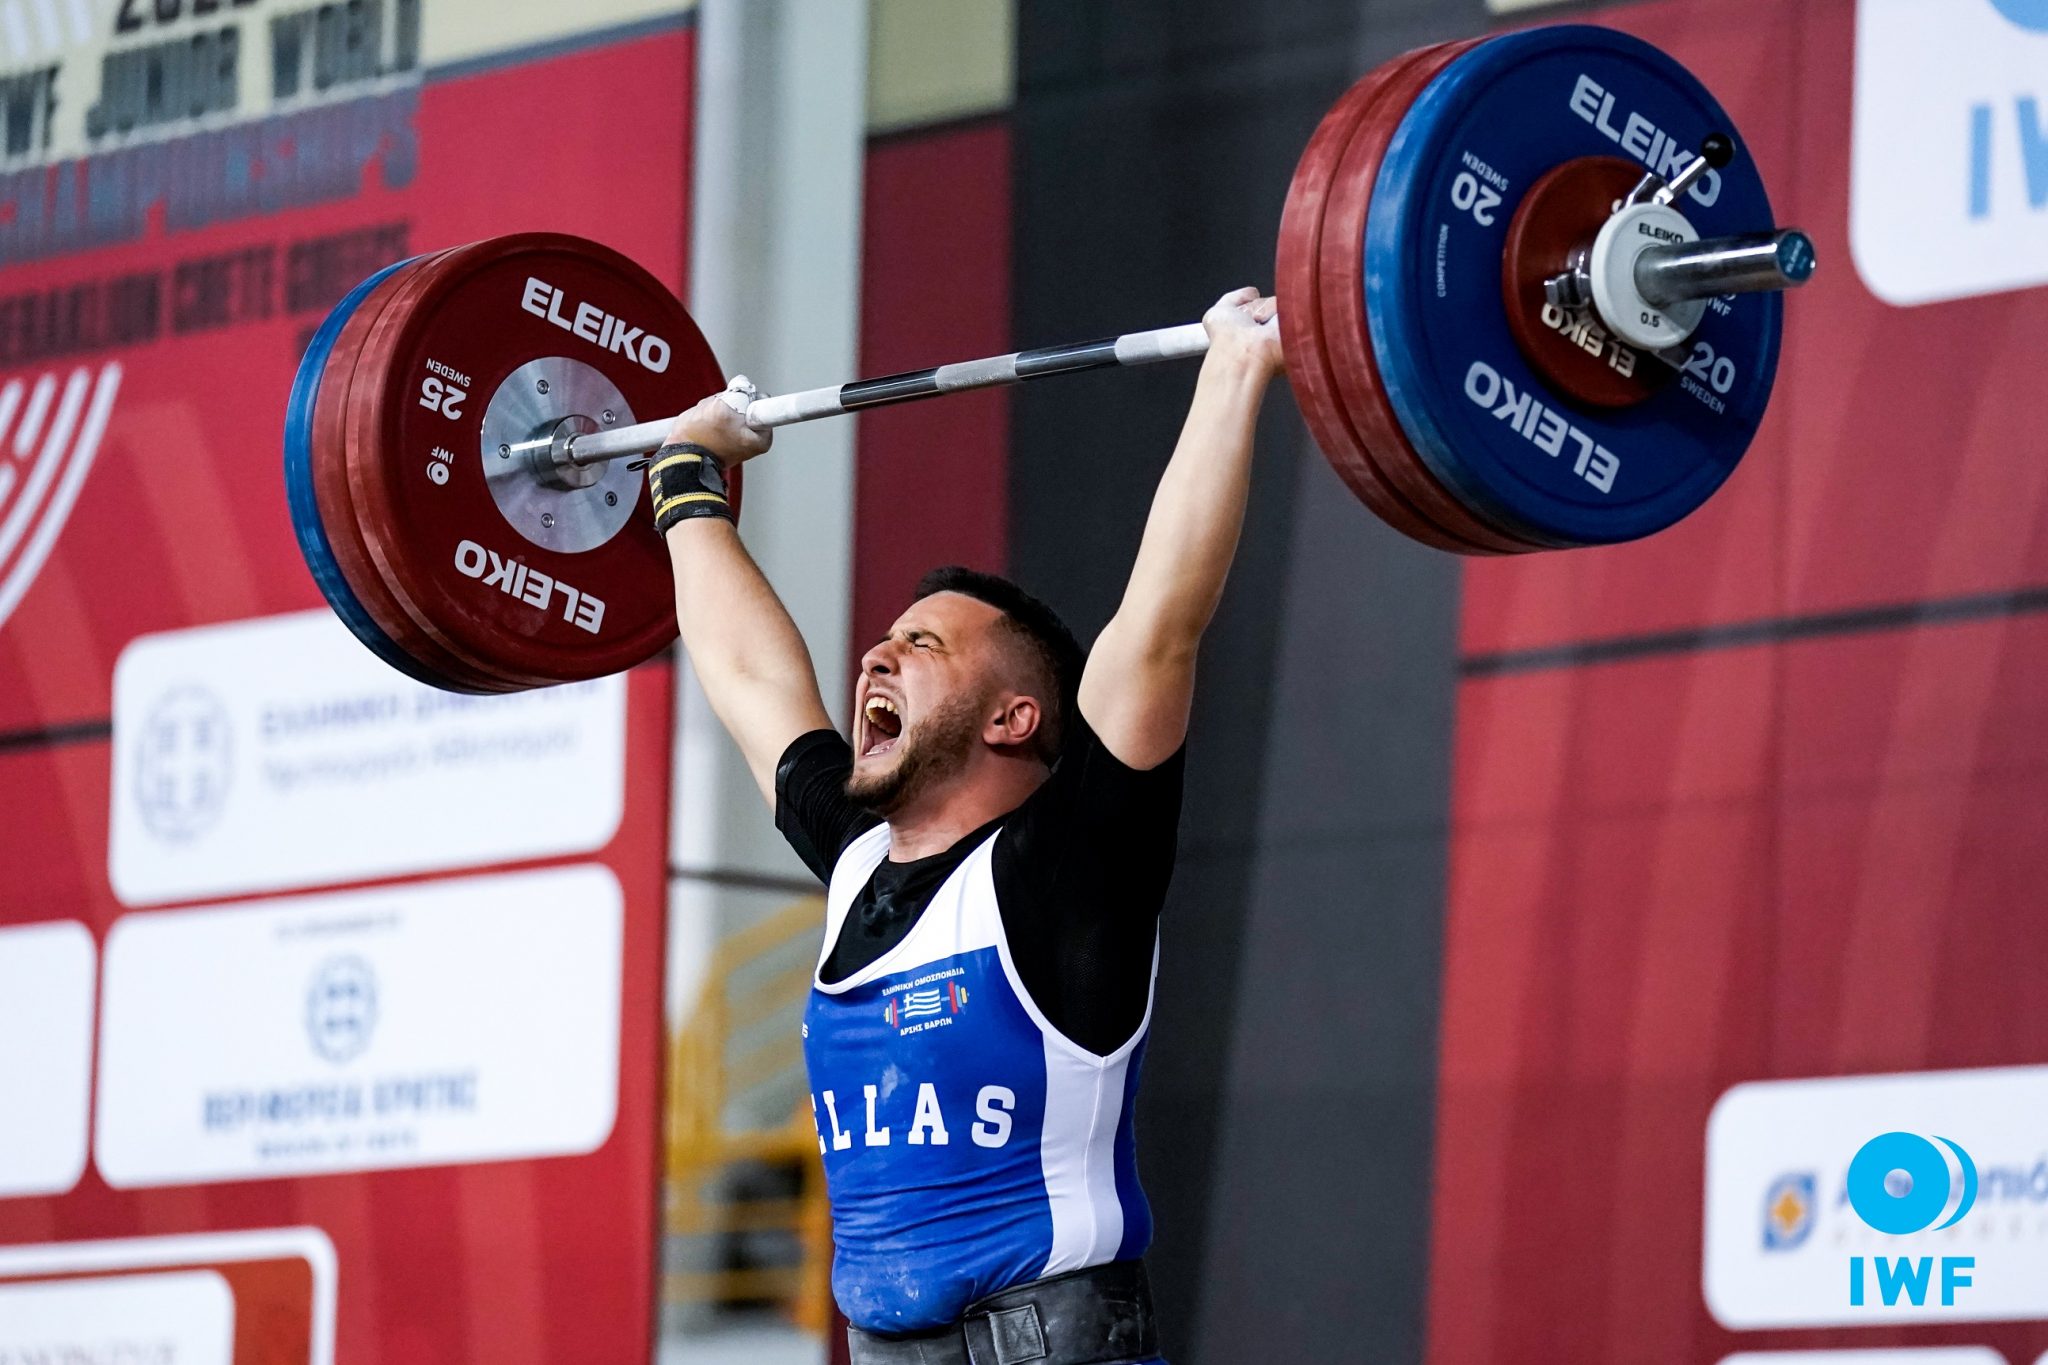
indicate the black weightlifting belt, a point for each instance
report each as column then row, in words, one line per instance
column 1098, row 1316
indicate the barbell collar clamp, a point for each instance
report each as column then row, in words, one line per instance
column 1716, row 151
column 1571, row 289
column 1751, row 263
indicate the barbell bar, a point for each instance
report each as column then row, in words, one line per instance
column 1132, row 348
column 1748, row 263
column 1744, row 264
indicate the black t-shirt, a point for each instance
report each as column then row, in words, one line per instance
column 1080, row 869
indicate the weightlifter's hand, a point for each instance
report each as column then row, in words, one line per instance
column 1243, row 324
column 716, row 424
column 686, row 484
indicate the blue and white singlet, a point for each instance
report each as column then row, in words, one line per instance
column 968, row 1145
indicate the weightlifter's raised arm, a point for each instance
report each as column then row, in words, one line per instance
column 742, row 644
column 1140, row 678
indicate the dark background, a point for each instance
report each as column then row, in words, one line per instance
column 1302, row 943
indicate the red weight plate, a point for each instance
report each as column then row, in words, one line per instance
column 337, row 505
column 1340, row 290
column 383, row 541
column 1559, row 215
column 1308, row 367
column 511, row 335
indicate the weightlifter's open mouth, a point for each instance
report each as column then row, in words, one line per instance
column 881, row 725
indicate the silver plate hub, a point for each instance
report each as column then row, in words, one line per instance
column 557, row 506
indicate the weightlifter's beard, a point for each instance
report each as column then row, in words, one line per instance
column 930, row 751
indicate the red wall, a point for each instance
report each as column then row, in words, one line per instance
column 932, row 484
column 1818, row 853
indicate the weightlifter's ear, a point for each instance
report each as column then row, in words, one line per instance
column 1014, row 725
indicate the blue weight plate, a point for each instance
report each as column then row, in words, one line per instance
column 1487, row 424
column 305, row 507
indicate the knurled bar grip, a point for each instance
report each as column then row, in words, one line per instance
column 1134, row 348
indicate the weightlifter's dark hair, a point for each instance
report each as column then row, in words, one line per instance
column 1052, row 647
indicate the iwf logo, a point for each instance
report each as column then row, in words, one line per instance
column 1949, row 177
column 1901, row 1184
column 2031, row 14
column 50, row 429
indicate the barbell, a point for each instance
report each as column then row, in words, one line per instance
column 1529, row 295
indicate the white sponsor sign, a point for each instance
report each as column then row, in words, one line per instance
column 186, row 1316
column 1895, row 1355
column 1949, row 172
column 279, row 753
column 1781, row 1234
column 307, row 1244
column 46, row 984
column 423, row 1025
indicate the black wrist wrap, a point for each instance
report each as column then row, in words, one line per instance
column 686, row 481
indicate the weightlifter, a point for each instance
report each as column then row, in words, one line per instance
column 996, row 841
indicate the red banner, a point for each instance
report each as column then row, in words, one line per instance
column 149, row 332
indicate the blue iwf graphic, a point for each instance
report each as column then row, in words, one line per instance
column 2031, row 14
column 1899, row 1184
column 2032, row 146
